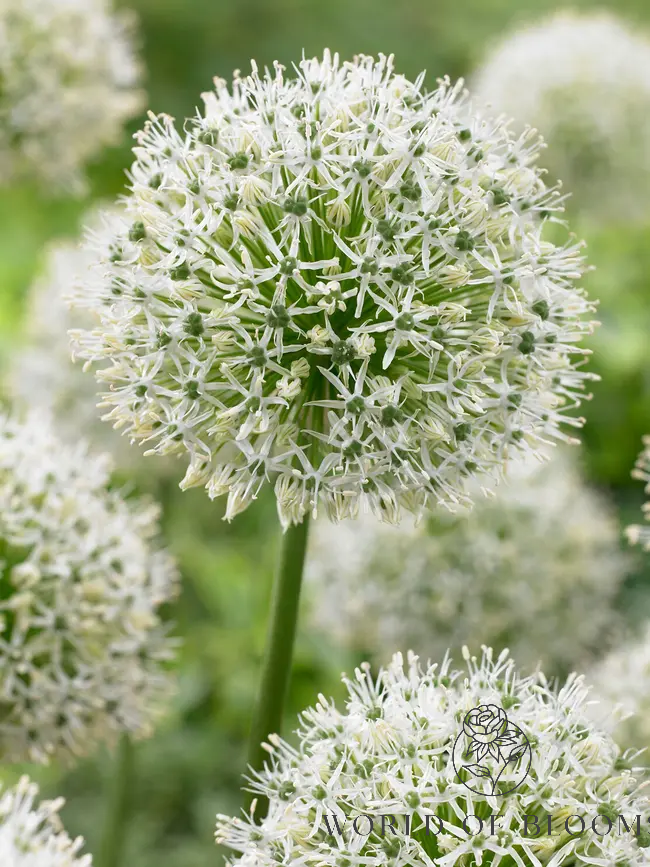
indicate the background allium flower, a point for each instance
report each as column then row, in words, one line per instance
column 31, row 835
column 69, row 82
column 584, row 82
column 640, row 534
column 535, row 568
column 83, row 652
column 337, row 280
column 390, row 750
column 42, row 375
column 622, row 680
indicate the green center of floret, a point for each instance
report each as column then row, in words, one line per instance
column 343, row 352
column 277, row 317
column 405, row 321
column 257, row 356
column 355, row 405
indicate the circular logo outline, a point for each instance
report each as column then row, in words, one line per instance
column 499, row 730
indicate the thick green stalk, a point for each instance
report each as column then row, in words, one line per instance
column 276, row 668
column 112, row 844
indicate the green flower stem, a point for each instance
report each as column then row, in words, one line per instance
column 276, row 668
column 112, row 844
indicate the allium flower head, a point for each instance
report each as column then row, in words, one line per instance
column 622, row 681
column 584, row 82
column 83, row 652
column 69, row 83
column 536, row 568
column 640, row 534
column 390, row 752
column 31, row 835
column 337, row 280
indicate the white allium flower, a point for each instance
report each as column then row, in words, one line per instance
column 83, row 651
column 31, row 834
column 622, row 681
column 390, row 752
column 339, row 281
column 535, row 568
column 69, row 83
column 584, row 82
column 640, row 534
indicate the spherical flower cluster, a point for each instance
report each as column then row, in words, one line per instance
column 535, row 568
column 69, row 82
column 622, row 681
column 640, row 534
column 43, row 377
column 394, row 752
column 83, row 651
column 337, row 281
column 584, row 82
column 31, row 835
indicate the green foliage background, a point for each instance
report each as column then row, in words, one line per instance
column 191, row 769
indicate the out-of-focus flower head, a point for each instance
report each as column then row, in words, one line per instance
column 584, row 82
column 83, row 651
column 640, row 534
column 42, row 375
column 395, row 750
column 31, row 834
column 338, row 281
column 622, row 683
column 70, row 81
column 535, row 568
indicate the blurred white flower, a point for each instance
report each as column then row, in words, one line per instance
column 390, row 752
column 584, row 82
column 318, row 273
column 83, row 651
column 640, row 534
column 43, row 377
column 31, row 834
column 535, row 568
column 69, row 83
column 622, row 682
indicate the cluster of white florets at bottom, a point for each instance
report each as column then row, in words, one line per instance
column 31, row 834
column 393, row 751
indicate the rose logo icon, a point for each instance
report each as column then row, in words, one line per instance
column 491, row 754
